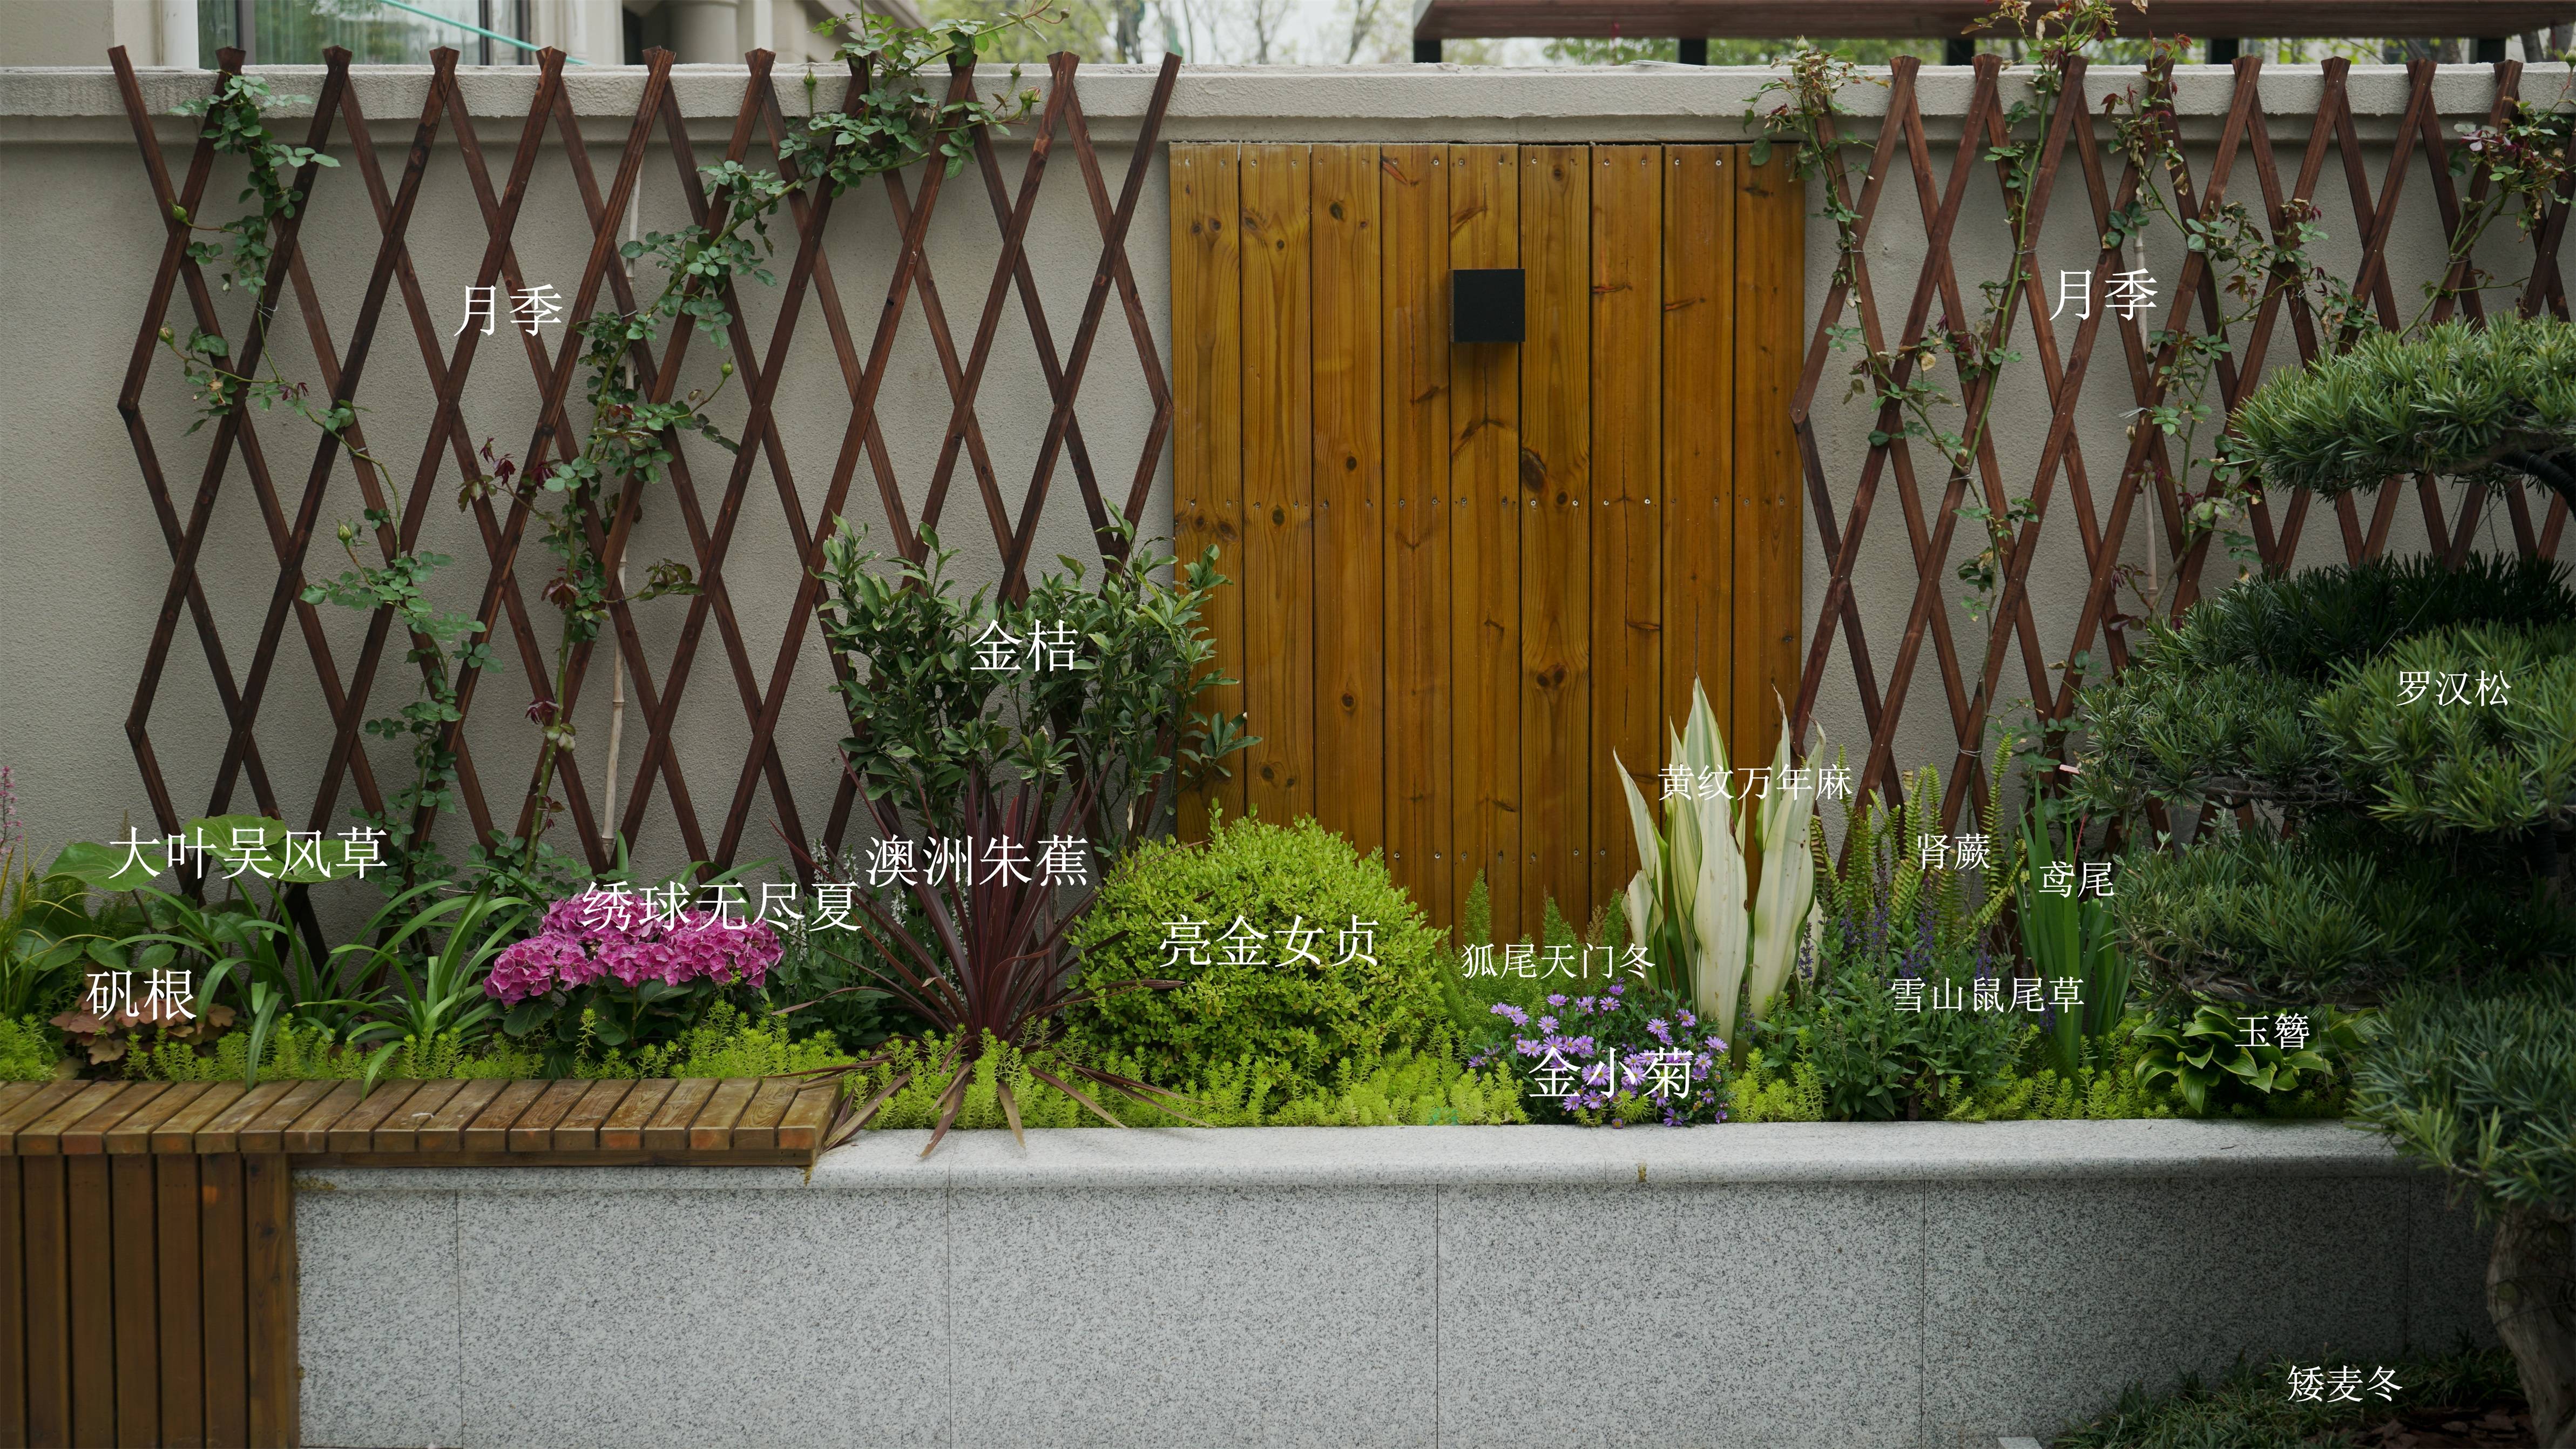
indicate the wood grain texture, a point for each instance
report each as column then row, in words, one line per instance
column 1278, row 485
column 45, row 1219
column 1485, row 551
column 1627, row 522
column 801, row 1130
column 222, row 1131
column 91, row 1240
column 265, row 1132
column 712, row 1129
column 179, row 1133
column 43, row 1137
column 13, row 1303
column 268, row 1203
column 668, row 1127
column 1699, row 424
column 26, row 1108
column 1207, row 431
column 444, row 1129
column 579, row 1129
column 534, row 1131
column 223, row 1241
column 134, row 1133
column 757, row 1131
column 1349, row 477
column 400, row 1130
column 134, row 1214
column 312, row 1131
column 624, row 1129
column 89, row 1134
column 1413, row 282
column 358, row 1125
column 490, row 1129
column 181, row 1299
column 1770, row 229
column 1556, row 536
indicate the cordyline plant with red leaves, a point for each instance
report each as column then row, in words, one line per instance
column 985, row 965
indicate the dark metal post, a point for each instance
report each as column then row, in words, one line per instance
column 1426, row 50
column 1694, row 50
column 2491, row 50
column 1959, row 50
column 2223, row 49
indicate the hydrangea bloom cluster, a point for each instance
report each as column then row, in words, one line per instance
column 578, row 946
column 1614, row 1046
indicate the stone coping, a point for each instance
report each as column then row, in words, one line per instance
column 1796, row 1154
column 1271, row 103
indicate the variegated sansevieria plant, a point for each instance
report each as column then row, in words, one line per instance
column 1709, row 927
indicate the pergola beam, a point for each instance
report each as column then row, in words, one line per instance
column 1437, row 20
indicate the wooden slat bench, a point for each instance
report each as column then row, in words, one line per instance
column 147, row 1229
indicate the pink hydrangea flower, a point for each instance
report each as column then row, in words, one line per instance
column 581, row 941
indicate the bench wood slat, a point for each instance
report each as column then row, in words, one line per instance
column 669, row 1128
column 134, row 1134
column 758, row 1129
column 535, row 1129
column 808, row 1117
column 713, row 1129
column 24, row 1110
column 623, row 1131
column 400, row 1131
column 490, row 1131
column 311, row 1132
column 223, row 1133
column 351, row 1132
column 579, row 1129
column 266, row 1132
column 179, row 1134
column 44, row 1136
column 88, row 1135
column 445, row 1129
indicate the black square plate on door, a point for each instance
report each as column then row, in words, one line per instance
column 1485, row 304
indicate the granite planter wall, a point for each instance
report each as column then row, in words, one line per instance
column 1838, row 1286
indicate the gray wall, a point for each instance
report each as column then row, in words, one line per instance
column 83, row 565
column 1849, row 1286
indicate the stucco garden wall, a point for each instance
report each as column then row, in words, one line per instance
column 83, row 564
column 1893, row 1286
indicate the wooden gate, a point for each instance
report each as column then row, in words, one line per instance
column 1467, row 574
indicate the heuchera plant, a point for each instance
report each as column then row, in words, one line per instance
column 609, row 969
column 1620, row 1049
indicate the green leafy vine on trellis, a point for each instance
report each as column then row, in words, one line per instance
column 235, row 126
column 1901, row 377
column 895, row 122
column 2524, row 161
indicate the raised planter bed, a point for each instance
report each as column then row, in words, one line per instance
column 1840, row 1286
column 149, row 1293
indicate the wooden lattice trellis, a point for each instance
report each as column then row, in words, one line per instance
column 658, row 686
column 2146, row 474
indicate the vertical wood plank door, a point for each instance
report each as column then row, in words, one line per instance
column 1474, row 582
